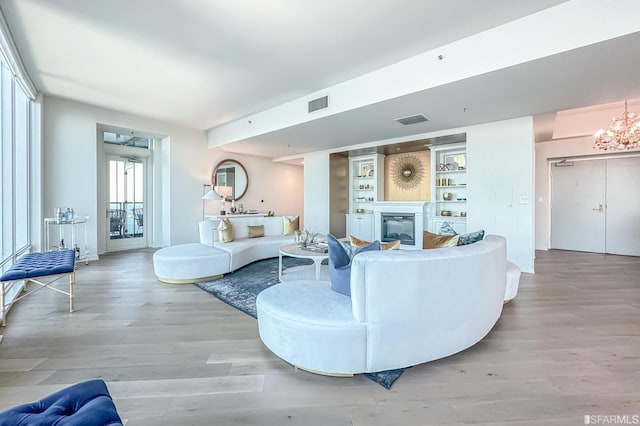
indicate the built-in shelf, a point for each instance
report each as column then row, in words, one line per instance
column 366, row 185
column 451, row 182
column 451, row 171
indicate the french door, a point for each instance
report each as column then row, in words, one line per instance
column 125, row 203
column 595, row 206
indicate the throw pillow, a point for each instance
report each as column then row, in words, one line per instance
column 256, row 231
column 290, row 225
column 391, row 245
column 340, row 263
column 469, row 238
column 225, row 231
column 431, row 241
column 447, row 229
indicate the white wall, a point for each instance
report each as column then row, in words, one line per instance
column 500, row 173
column 276, row 187
column 70, row 172
column 316, row 192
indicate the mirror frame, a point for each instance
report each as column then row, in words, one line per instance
column 235, row 163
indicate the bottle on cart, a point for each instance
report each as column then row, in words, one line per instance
column 77, row 250
column 61, row 246
column 59, row 215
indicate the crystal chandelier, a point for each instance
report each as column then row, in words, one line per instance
column 623, row 133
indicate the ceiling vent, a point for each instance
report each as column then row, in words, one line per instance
column 412, row 119
column 319, row 103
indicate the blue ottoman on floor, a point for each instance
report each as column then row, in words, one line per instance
column 83, row 404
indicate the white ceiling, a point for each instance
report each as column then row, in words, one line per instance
column 203, row 63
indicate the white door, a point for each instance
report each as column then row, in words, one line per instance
column 623, row 206
column 125, row 203
column 578, row 206
column 595, row 206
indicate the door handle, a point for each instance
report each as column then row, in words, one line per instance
column 600, row 208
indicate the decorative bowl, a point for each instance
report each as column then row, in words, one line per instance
column 445, row 213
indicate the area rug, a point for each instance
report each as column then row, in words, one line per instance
column 240, row 289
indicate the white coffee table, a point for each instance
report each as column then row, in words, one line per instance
column 293, row 250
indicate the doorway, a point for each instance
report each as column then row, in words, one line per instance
column 595, row 205
column 127, row 190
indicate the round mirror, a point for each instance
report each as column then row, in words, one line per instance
column 407, row 172
column 229, row 179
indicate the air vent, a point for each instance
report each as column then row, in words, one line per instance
column 412, row 119
column 319, row 103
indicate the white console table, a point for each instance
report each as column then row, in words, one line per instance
column 222, row 216
column 82, row 254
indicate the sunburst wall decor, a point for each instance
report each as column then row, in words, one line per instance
column 407, row 171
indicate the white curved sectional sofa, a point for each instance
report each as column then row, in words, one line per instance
column 406, row 307
column 193, row 262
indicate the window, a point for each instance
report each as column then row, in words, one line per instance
column 14, row 167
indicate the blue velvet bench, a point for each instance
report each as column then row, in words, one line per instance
column 36, row 265
column 83, row 404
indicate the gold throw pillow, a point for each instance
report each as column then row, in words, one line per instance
column 290, row 225
column 225, row 231
column 256, row 231
column 391, row 245
column 431, row 241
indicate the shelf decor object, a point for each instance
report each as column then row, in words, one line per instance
column 623, row 133
column 407, row 171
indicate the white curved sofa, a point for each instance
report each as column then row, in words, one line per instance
column 244, row 250
column 193, row 262
column 407, row 307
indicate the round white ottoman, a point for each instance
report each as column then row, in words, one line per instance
column 189, row 263
column 312, row 327
column 513, row 281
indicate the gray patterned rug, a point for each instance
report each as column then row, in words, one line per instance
column 240, row 289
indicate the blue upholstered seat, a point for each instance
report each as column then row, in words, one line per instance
column 83, row 404
column 41, row 264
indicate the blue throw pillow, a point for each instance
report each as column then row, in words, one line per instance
column 446, row 229
column 340, row 263
column 338, row 255
column 471, row 237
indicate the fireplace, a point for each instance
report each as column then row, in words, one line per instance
column 399, row 226
column 400, row 220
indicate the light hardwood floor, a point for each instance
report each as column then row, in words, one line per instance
column 568, row 346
